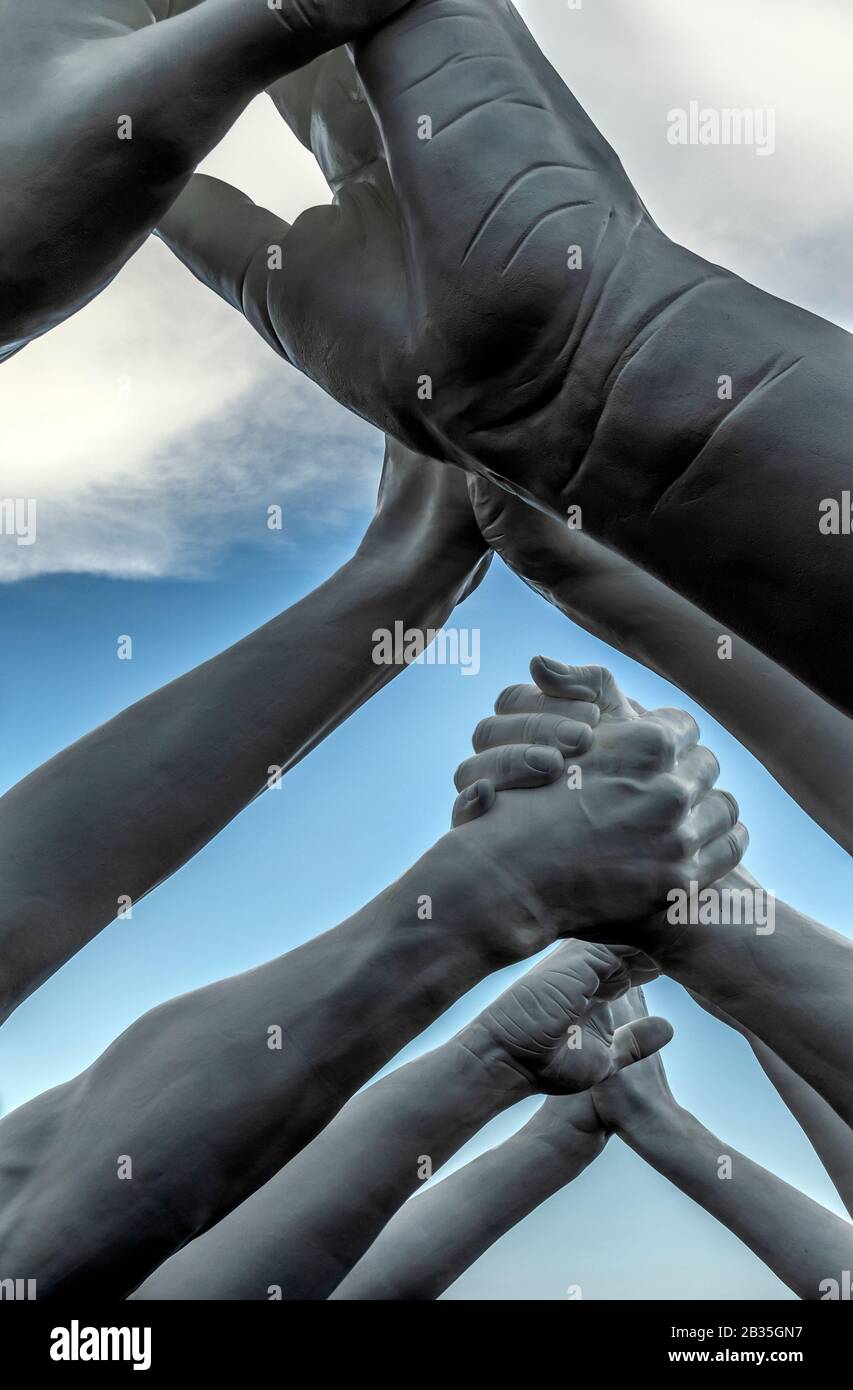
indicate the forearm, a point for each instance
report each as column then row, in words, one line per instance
column 799, row 1240
column 829, row 1136
column 212, row 1094
column 300, row 1233
column 119, row 811
column 435, row 1237
column 787, row 982
column 144, row 110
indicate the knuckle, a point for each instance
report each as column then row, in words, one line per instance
column 531, row 729
column 654, row 743
column 709, row 767
column 509, row 760
column 506, row 699
column 673, row 796
column 482, row 736
column 731, row 802
column 463, row 776
column 663, row 743
column 679, row 877
column 510, row 699
column 691, row 727
column 684, row 843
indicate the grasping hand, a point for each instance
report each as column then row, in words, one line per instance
column 554, row 1031
column 636, row 817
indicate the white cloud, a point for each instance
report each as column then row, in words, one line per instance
column 153, row 426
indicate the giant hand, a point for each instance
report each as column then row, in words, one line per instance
column 685, row 833
column 497, row 295
column 107, row 107
column 554, row 1031
column 586, row 852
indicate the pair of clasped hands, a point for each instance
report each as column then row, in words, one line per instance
column 628, row 799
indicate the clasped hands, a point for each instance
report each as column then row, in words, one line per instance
column 587, row 811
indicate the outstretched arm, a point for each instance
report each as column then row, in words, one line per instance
column 787, row 982
column 305, row 1230
column 231, row 1082
column 802, row 1242
column 201, row 1101
column 436, row 1236
column 148, row 101
column 830, row 1137
column 119, row 811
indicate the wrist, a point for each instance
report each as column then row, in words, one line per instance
column 437, row 555
column 500, row 1072
column 435, row 930
column 566, row 1129
column 503, row 918
column 653, row 1128
column 485, row 1072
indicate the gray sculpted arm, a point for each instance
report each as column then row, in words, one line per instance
column 807, row 745
column 436, row 1236
column 805, row 1245
column 113, row 822
column 546, row 862
column 830, row 1137
column 302, row 1232
column 452, row 267
column 93, row 163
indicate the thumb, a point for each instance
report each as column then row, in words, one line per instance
column 565, row 682
column 634, row 1041
column 473, row 802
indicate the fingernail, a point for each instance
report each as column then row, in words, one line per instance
column 542, row 759
column 473, row 793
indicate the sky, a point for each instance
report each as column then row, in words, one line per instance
column 154, row 430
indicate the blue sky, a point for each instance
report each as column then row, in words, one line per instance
column 154, row 429
column 379, row 792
